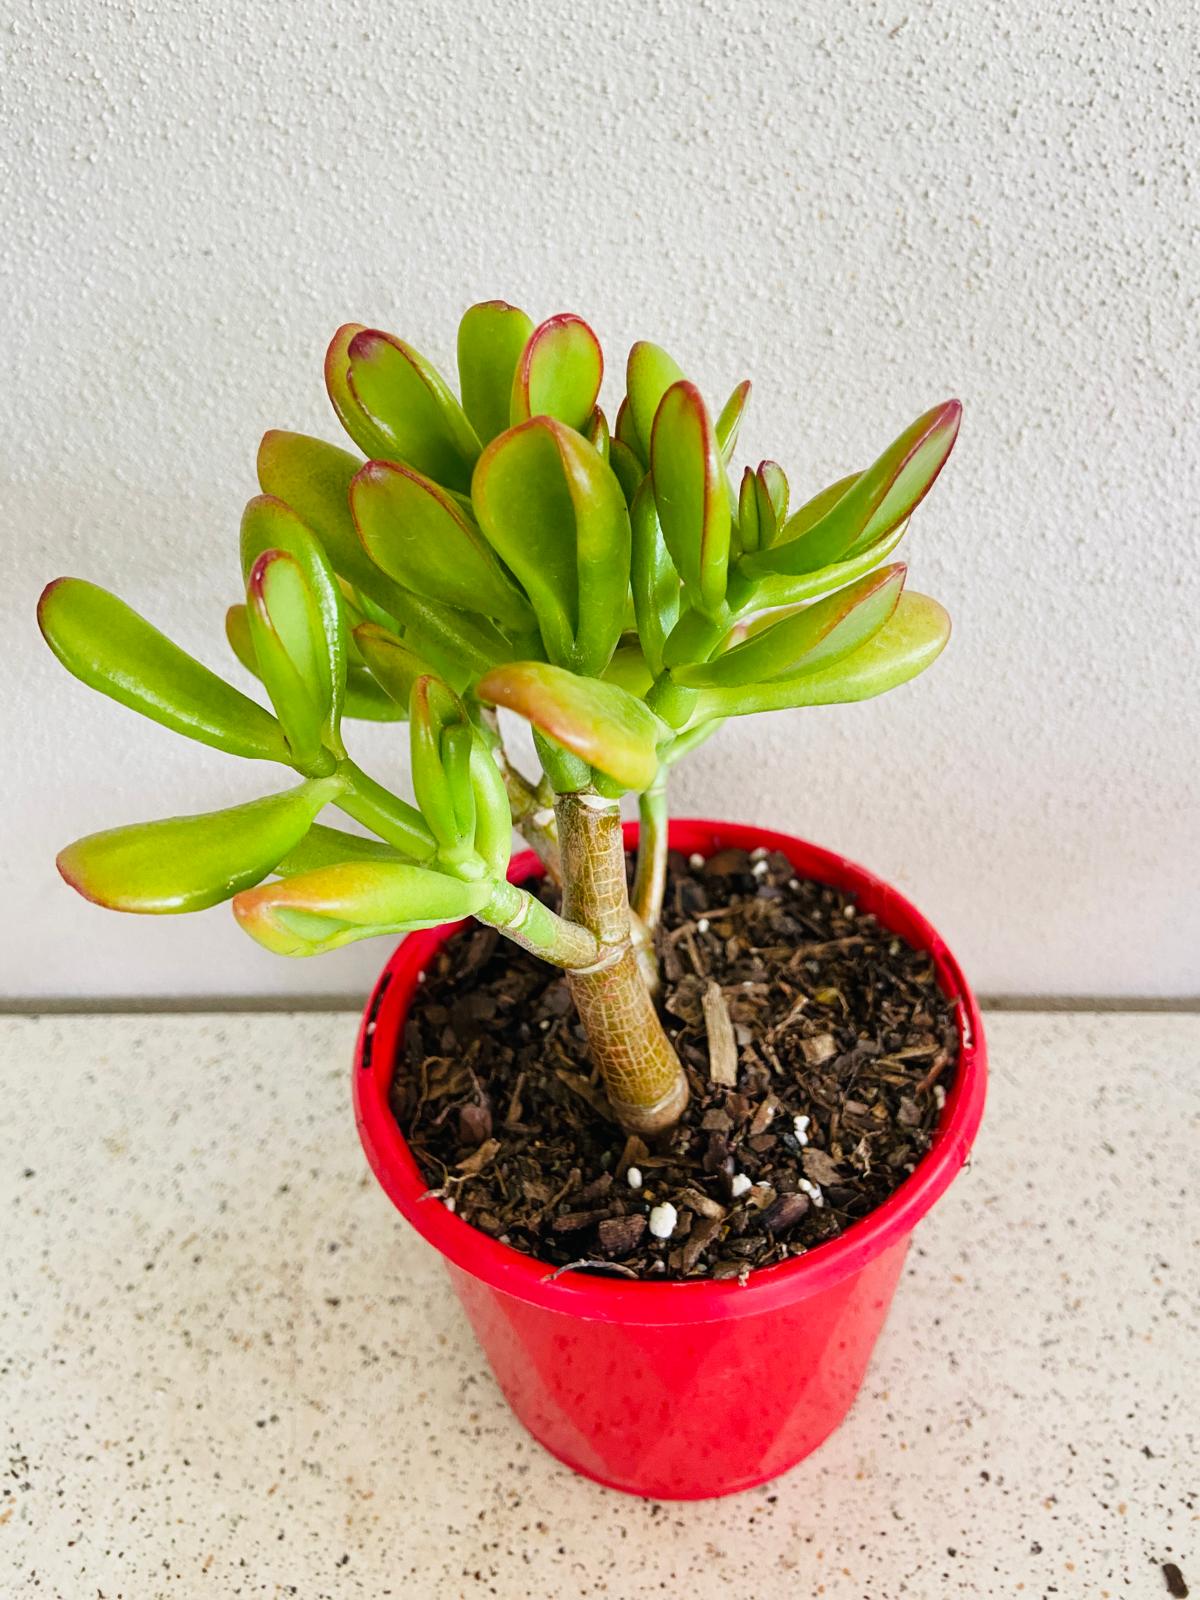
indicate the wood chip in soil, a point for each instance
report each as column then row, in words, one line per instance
column 818, row 1047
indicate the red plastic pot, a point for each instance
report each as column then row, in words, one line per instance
column 679, row 1390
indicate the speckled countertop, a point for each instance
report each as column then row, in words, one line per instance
column 227, row 1369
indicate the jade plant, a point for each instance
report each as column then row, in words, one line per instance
column 616, row 587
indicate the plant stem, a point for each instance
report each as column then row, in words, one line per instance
column 532, row 814
column 523, row 918
column 645, row 1083
column 650, row 878
column 384, row 813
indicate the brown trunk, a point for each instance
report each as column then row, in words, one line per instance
column 644, row 1081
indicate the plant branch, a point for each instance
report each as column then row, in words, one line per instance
column 384, row 813
column 650, row 876
column 645, row 1083
column 523, row 918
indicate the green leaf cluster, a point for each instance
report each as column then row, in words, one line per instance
column 494, row 545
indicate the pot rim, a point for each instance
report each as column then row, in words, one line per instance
column 698, row 1299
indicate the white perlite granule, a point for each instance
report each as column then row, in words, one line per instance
column 663, row 1219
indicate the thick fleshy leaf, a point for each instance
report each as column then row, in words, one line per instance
column 555, row 514
column 629, row 670
column 493, row 815
column 559, row 373
column 806, row 640
column 649, row 373
column 327, row 847
column 625, row 433
column 491, row 337
column 730, row 421
column 627, row 469
column 369, row 438
column 748, row 595
column 440, row 760
column 285, row 630
column 459, row 645
column 910, row 641
column 772, row 481
column 333, row 906
column 393, row 664
column 419, row 536
column 269, row 524
column 749, row 532
column 595, row 431
column 600, row 723
column 653, row 578
column 187, row 863
column 410, row 406
column 314, row 478
column 691, row 494
column 365, row 699
column 368, row 701
column 762, row 506
column 108, row 646
column 834, row 526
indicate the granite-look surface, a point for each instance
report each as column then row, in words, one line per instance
column 227, row 1369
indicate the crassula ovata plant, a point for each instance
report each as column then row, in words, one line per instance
column 504, row 549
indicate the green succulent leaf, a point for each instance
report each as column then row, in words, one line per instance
column 627, row 469
column 596, row 432
column 762, row 506
column 629, row 670
column 491, row 339
column 365, row 699
column 691, row 494
column 559, row 373
column 598, row 722
column 555, row 514
column 336, row 905
column 777, row 590
column 393, row 664
column 409, row 404
column 367, row 435
column 369, row 701
column 418, row 535
column 749, row 526
column 806, row 640
column 188, row 863
column 910, row 641
column 269, row 524
column 730, row 421
column 327, row 847
column 286, row 632
column 440, row 742
column 773, row 484
column 108, row 646
column 649, row 373
column 653, row 578
column 314, row 478
column 493, row 815
column 856, row 512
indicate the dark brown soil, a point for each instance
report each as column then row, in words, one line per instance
column 776, row 983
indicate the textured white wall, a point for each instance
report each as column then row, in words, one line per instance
column 864, row 207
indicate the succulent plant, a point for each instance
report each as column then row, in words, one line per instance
column 506, row 548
